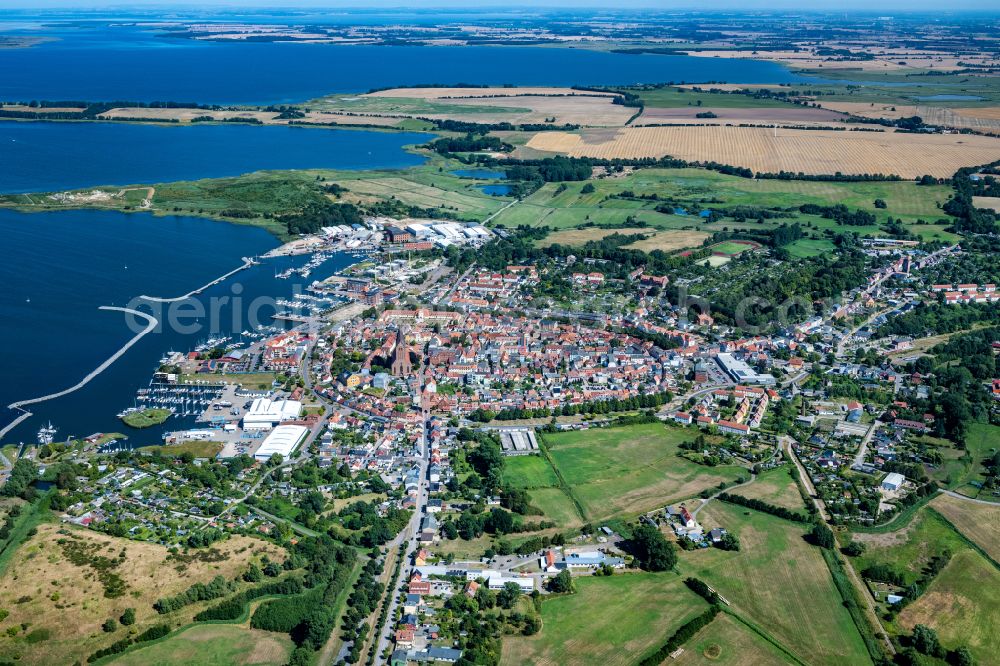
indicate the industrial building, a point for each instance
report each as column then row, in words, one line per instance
column 281, row 440
column 265, row 413
column 740, row 371
column 893, row 481
column 518, row 441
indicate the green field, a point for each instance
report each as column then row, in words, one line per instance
column 528, row 472
column 608, row 621
column 626, row 471
column 776, row 486
column 199, row 449
column 213, row 645
column 962, row 605
column 403, row 106
column 727, row 642
column 675, row 97
column 697, row 189
column 909, row 549
column 557, row 507
column 780, row 583
column 982, row 441
column 730, row 248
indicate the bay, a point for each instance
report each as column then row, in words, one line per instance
column 138, row 65
column 60, row 267
column 47, row 156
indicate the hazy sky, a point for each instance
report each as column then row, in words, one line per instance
column 879, row 6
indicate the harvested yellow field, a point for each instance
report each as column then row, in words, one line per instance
column 666, row 240
column 36, row 109
column 985, row 119
column 769, row 150
column 522, row 105
column 992, row 203
column 575, row 237
column 183, row 115
column 266, row 117
column 670, row 240
column 979, row 522
column 446, row 93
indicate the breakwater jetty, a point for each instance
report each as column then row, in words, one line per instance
column 151, row 323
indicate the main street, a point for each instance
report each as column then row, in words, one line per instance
column 406, row 540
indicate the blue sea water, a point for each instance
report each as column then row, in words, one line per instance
column 45, row 156
column 121, row 63
column 60, row 267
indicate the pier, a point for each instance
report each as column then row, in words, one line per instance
column 247, row 263
column 151, row 323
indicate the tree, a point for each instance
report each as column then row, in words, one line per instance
column 128, row 617
column 925, row 641
column 854, row 549
column 651, row 550
column 562, row 582
column 109, row 625
column 962, row 657
column 253, row 574
column 822, row 536
column 499, row 522
column 729, row 542
column 507, row 597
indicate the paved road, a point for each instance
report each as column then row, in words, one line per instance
column 406, row 540
column 950, row 493
column 863, row 448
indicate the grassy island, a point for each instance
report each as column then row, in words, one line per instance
column 146, row 418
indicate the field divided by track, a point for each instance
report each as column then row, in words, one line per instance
column 779, row 582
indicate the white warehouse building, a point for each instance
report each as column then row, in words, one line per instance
column 893, row 481
column 264, row 413
column 282, row 440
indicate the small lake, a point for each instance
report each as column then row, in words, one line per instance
column 67, row 155
column 480, row 174
column 496, row 190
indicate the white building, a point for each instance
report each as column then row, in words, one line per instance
column 264, row 413
column 893, row 481
column 282, row 440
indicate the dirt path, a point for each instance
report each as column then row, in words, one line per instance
column 856, row 581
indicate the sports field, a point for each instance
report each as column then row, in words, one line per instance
column 608, row 621
column 779, row 582
column 211, row 645
column 626, row 471
column 978, row 522
column 962, row 605
column 784, row 149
